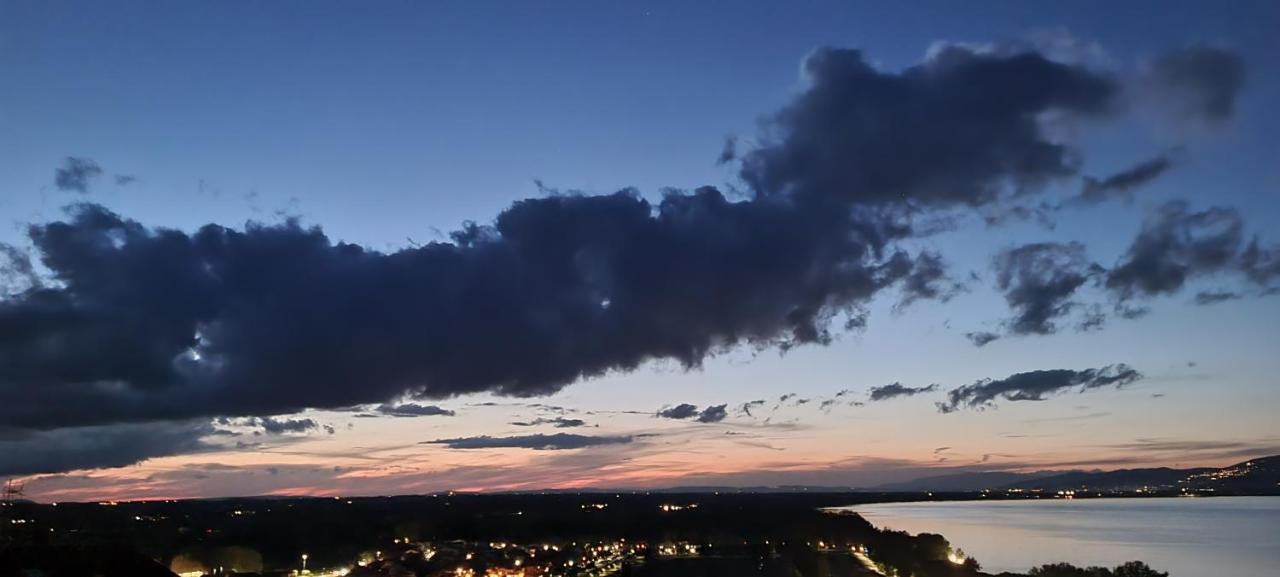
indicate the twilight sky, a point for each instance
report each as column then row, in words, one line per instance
column 310, row 248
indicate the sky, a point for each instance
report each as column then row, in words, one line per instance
column 314, row 248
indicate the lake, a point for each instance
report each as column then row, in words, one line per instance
column 1188, row 537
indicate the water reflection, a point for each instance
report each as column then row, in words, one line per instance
column 1227, row 536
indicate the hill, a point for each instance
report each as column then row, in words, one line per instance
column 1254, row 477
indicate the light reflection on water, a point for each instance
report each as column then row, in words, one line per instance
column 1218, row 537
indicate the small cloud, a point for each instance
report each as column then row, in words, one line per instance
column 414, row 410
column 729, row 152
column 556, row 442
column 747, row 406
column 1175, row 245
column 76, row 173
column 1213, row 297
column 274, row 426
column 893, row 390
column 981, row 338
column 1039, row 281
column 1123, row 183
column 713, row 414
column 681, row 411
column 1035, row 385
column 558, row 422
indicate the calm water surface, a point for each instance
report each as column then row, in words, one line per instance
column 1207, row 537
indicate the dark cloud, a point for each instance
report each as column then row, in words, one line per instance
column 1124, row 182
column 747, row 406
column 981, row 338
column 713, row 414
column 125, row 179
column 414, row 410
column 1261, row 265
column 1035, row 386
column 76, row 174
column 729, row 152
column 36, row 452
column 957, row 129
column 893, row 390
column 928, row 279
column 274, row 426
column 681, row 411
column 225, row 321
column 558, row 422
column 539, row 442
column 138, row 324
column 1174, row 245
column 1039, row 281
column 1041, row 214
column 1198, row 83
column 1214, row 297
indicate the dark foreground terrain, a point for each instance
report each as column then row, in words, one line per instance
column 588, row 534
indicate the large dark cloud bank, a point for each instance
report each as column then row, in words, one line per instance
column 123, row 324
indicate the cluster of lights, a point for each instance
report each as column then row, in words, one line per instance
column 674, row 549
column 535, row 560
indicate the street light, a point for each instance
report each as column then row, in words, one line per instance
column 304, row 562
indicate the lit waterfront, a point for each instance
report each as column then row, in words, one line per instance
column 1170, row 534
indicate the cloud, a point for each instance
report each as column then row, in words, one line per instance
column 713, row 414
column 36, row 452
column 1039, row 281
column 538, row 442
column 414, row 410
column 125, row 179
column 981, row 338
column 928, row 279
column 558, row 422
column 1035, row 385
column 1199, row 83
column 225, row 321
column 894, row 390
column 1261, row 265
column 276, row 426
column 1122, row 183
column 747, row 406
column 681, row 411
column 17, row 272
column 139, row 324
column 1174, row 245
column 76, row 174
column 929, row 135
column 1214, row 297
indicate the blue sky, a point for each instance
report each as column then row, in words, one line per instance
column 391, row 123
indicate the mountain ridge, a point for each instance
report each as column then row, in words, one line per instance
column 1260, row 475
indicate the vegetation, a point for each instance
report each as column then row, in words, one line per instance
column 1130, row 569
